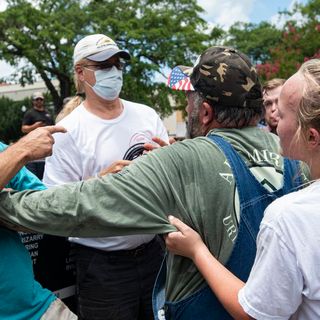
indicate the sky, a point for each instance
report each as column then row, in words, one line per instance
column 227, row 12
column 223, row 13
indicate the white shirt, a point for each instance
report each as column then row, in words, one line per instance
column 284, row 282
column 92, row 144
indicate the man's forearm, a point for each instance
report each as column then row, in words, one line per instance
column 33, row 146
column 11, row 161
column 29, row 128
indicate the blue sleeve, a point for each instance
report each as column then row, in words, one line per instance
column 24, row 179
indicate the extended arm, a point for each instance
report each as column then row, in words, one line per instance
column 36, row 145
column 134, row 201
column 28, row 128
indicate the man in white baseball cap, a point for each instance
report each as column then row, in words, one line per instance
column 115, row 275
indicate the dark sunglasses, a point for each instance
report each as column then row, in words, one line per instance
column 38, row 99
column 107, row 65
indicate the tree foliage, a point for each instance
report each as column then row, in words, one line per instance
column 158, row 34
column 42, row 36
column 279, row 52
column 300, row 39
column 10, row 120
column 256, row 40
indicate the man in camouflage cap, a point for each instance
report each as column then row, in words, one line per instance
column 218, row 184
column 225, row 78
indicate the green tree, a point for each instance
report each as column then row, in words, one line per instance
column 10, row 120
column 279, row 51
column 256, row 40
column 42, row 37
column 158, row 33
column 299, row 41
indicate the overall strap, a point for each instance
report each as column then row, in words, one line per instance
column 248, row 186
column 292, row 179
column 253, row 196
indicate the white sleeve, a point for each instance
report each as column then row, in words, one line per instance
column 65, row 163
column 273, row 290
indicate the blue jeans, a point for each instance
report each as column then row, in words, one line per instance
column 117, row 285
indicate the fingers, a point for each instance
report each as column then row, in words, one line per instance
column 55, row 129
column 173, row 236
column 172, row 140
column 122, row 164
column 119, row 165
column 115, row 167
column 125, row 163
column 159, row 141
column 149, row 147
column 178, row 224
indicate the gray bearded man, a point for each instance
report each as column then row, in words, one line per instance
column 219, row 185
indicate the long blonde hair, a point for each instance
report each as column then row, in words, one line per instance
column 75, row 101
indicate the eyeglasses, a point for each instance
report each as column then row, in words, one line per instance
column 38, row 99
column 120, row 64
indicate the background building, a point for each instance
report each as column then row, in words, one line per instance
column 175, row 123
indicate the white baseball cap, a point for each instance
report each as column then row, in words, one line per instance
column 37, row 95
column 97, row 47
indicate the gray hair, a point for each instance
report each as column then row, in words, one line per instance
column 231, row 117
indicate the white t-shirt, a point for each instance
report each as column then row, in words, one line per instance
column 284, row 282
column 92, row 144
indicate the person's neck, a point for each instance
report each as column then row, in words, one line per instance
column 216, row 125
column 104, row 109
column 272, row 129
column 314, row 168
column 38, row 108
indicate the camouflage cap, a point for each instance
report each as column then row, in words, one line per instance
column 226, row 77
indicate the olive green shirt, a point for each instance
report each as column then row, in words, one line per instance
column 191, row 180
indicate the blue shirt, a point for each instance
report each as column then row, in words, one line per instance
column 21, row 296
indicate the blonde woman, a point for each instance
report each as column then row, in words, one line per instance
column 284, row 282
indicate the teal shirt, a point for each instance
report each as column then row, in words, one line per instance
column 22, row 297
column 191, row 180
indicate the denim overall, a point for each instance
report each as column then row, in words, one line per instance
column 254, row 198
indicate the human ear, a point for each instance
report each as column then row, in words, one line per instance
column 313, row 138
column 79, row 72
column 206, row 113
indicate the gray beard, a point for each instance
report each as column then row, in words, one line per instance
column 193, row 127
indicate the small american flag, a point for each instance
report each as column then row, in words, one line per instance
column 179, row 79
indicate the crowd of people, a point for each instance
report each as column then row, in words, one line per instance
column 241, row 199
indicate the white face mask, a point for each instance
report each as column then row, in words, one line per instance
column 108, row 83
